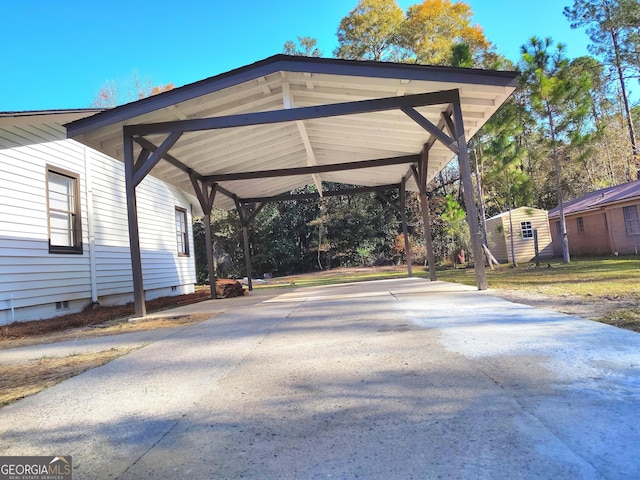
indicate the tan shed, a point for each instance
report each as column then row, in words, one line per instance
column 525, row 220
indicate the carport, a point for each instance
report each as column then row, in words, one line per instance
column 246, row 137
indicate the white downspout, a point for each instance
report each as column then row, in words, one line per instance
column 90, row 225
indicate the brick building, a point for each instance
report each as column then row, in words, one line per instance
column 603, row 222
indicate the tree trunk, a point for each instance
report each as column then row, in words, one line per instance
column 627, row 111
column 556, row 164
column 510, row 206
column 513, row 249
column 481, row 196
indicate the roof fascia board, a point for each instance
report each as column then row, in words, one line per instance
column 404, row 71
column 294, row 114
column 14, row 119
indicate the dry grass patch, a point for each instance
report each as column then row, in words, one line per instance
column 628, row 319
column 74, row 325
column 603, row 289
column 109, row 327
column 22, row 379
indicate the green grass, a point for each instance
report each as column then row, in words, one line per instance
column 589, row 277
column 338, row 276
column 616, row 277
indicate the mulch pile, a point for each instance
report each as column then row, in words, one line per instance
column 227, row 288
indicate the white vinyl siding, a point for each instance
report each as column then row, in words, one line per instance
column 162, row 267
column 29, row 274
column 32, row 280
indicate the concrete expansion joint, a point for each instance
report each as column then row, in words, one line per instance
column 535, row 418
column 295, row 309
column 257, row 345
column 169, row 430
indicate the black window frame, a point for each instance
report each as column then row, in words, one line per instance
column 75, row 221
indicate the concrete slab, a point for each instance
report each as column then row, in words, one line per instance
column 391, row 379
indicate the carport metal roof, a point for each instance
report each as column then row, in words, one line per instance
column 259, row 131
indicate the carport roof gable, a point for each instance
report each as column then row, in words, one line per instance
column 297, row 64
column 326, row 112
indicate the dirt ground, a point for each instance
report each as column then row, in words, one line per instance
column 570, row 304
column 576, row 305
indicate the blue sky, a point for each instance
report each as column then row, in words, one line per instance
column 58, row 53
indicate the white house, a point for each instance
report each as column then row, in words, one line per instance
column 64, row 240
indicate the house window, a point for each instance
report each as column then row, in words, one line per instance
column 580, row 221
column 631, row 220
column 63, row 203
column 182, row 232
column 526, row 229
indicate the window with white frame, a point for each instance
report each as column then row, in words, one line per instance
column 63, row 204
column 526, row 229
column 182, row 232
column 631, row 221
column 580, row 222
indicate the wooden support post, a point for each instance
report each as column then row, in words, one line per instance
column 247, row 257
column 242, row 213
column 206, row 194
column 469, row 200
column 420, row 175
column 134, row 236
column 405, row 232
column 209, row 243
column 428, row 238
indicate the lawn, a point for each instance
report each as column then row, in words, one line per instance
column 588, row 277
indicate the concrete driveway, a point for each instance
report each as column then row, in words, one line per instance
column 378, row 380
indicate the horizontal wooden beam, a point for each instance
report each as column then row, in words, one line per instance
column 294, row 114
column 326, row 193
column 312, row 169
